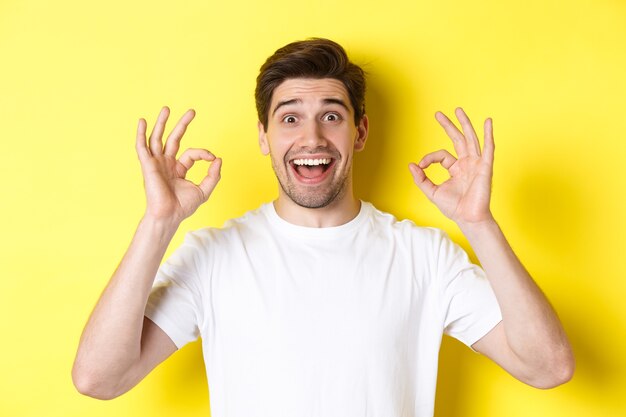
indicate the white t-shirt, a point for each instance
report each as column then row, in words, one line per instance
column 341, row 321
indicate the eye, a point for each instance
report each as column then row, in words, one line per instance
column 332, row 117
column 289, row 119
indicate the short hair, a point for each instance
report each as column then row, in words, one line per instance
column 312, row 58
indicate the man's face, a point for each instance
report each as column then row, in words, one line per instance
column 311, row 138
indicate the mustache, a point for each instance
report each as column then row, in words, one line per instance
column 327, row 150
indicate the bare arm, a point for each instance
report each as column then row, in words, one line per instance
column 119, row 346
column 530, row 342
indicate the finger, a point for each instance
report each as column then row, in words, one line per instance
column 208, row 183
column 422, row 181
column 442, row 157
column 471, row 139
column 191, row 155
column 173, row 140
column 156, row 137
column 458, row 140
column 490, row 145
column 140, row 145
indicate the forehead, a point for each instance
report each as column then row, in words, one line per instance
column 309, row 89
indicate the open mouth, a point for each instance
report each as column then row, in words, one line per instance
column 311, row 169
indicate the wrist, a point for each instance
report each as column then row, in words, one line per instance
column 476, row 229
column 158, row 228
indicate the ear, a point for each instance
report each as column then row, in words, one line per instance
column 362, row 130
column 263, row 144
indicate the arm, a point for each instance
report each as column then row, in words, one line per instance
column 530, row 342
column 119, row 346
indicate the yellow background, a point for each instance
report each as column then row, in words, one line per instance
column 76, row 76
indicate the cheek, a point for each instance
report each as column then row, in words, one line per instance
column 275, row 141
column 277, row 152
column 347, row 140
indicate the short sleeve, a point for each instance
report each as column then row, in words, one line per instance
column 469, row 306
column 175, row 302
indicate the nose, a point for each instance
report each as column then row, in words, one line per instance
column 312, row 135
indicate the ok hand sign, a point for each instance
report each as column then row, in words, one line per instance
column 464, row 197
column 170, row 197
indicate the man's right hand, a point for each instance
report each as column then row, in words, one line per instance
column 119, row 346
column 169, row 196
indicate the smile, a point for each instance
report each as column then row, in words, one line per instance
column 311, row 170
column 312, row 162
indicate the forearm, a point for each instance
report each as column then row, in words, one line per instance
column 111, row 341
column 533, row 331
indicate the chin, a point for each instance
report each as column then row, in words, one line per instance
column 312, row 199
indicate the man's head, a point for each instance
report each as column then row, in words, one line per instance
column 313, row 58
column 311, row 121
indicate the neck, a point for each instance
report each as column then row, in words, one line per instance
column 338, row 212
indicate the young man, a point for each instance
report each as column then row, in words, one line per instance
column 317, row 304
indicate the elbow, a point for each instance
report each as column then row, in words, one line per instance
column 564, row 372
column 92, row 386
column 559, row 372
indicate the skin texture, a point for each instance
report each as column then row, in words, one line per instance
column 119, row 346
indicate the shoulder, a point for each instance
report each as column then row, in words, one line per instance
column 384, row 221
column 423, row 245
column 428, row 249
column 250, row 223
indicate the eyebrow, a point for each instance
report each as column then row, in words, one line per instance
column 297, row 101
column 286, row 103
column 337, row 101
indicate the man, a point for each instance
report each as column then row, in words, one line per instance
column 317, row 304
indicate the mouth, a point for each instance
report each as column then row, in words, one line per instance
column 311, row 170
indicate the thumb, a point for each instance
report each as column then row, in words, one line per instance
column 208, row 183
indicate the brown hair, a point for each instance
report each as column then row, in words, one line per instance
column 311, row 58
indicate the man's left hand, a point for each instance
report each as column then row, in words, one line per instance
column 465, row 196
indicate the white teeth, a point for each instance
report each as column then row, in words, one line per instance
column 324, row 161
